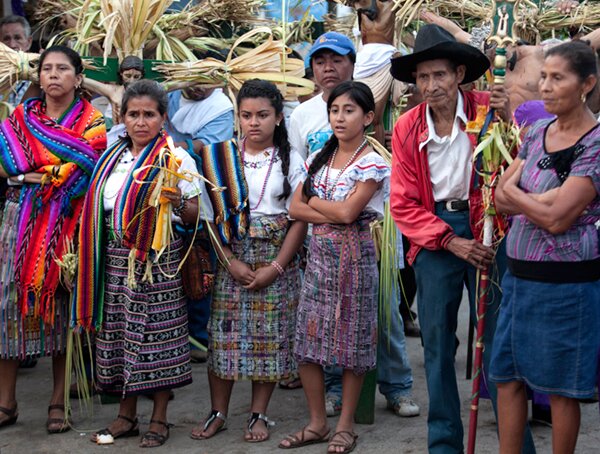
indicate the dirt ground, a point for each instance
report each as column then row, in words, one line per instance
column 389, row 434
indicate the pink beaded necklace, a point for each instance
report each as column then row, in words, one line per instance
column 330, row 190
column 271, row 162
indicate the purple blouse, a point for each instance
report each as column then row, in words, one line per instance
column 527, row 241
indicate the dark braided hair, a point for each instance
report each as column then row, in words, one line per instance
column 256, row 88
column 362, row 95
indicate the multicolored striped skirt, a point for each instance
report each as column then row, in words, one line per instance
column 143, row 345
column 337, row 316
column 25, row 336
column 251, row 333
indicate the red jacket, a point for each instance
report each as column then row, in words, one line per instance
column 411, row 198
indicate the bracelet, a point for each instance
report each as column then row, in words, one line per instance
column 278, row 267
column 178, row 211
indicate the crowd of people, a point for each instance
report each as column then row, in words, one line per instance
column 290, row 289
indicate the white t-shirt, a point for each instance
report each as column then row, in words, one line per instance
column 309, row 127
column 256, row 169
column 449, row 158
column 189, row 189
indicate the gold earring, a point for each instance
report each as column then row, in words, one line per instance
column 583, row 98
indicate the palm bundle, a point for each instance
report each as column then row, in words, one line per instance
column 239, row 11
column 461, row 11
column 16, row 66
column 127, row 24
column 266, row 61
column 296, row 31
column 586, row 16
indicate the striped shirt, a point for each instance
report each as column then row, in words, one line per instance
column 527, row 241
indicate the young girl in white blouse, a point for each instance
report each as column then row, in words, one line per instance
column 345, row 185
column 252, row 321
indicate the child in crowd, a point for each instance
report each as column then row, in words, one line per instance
column 257, row 286
column 343, row 192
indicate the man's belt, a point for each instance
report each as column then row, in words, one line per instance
column 455, row 205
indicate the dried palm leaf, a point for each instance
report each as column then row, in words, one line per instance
column 267, row 61
column 343, row 25
column 586, row 16
column 16, row 66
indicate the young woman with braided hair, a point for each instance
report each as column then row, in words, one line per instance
column 257, row 286
column 344, row 189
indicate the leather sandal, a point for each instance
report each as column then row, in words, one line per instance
column 153, row 437
column 342, row 439
column 212, row 417
column 12, row 416
column 253, row 419
column 133, row 431
column 297, row 442
column 64, row 424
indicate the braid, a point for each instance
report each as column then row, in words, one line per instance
column 280, row 139
column 319, row 161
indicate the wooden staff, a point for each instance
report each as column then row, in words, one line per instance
column 503, row 25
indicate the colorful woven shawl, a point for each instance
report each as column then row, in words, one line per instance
column 133, row 220
column 222, row 165
column 66, row 151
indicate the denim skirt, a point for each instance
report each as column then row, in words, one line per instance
column 548, row 336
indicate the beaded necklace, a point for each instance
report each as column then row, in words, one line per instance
column 329, row 191
column 271, row 162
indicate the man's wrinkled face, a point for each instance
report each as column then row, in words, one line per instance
column 438, row 82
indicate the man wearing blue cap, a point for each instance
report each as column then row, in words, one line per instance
column 332, row 59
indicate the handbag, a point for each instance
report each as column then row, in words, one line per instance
column 197, row 272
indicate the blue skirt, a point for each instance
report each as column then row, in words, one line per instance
column 548, row 336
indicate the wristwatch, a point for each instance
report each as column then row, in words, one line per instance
column 21, row 178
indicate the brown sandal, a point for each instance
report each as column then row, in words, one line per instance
column 12, row 416
column 346, row 440
column 64, row 424
column 154, row 437
column 295, row 442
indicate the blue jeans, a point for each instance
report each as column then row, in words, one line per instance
column 441, row 278
column 394, row 374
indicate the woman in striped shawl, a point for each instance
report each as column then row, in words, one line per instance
column 128, row 288
column 48, row 149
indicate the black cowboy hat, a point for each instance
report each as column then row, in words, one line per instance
column 433, row 43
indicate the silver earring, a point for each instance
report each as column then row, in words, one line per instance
column 583, row 98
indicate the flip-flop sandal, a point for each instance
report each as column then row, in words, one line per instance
column 253, row 419
column 348, row 444
column 295, row 442
column 64, row 424
column 12, row 416
column 212, row 416
column 133, row 431
column 155, row 437
column 290, row 383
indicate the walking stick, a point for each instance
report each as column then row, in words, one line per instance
column 491, row 159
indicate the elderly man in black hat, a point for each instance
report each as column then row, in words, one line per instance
column 430, row 191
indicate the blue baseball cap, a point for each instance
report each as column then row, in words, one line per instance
column 333, row 41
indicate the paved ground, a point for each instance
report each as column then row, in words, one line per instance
column 389, row 434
